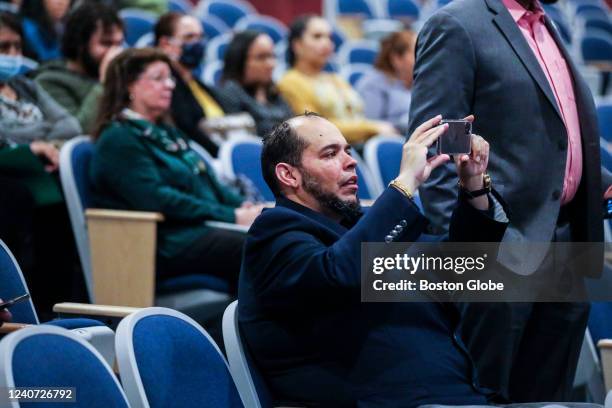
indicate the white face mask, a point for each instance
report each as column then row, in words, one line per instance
column 10, row 65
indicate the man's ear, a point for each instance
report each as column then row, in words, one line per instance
column 288, row 176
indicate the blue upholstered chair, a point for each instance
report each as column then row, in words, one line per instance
column 136, row 23
column 201, row 296
column 358, row 51
column 216, row 47
column 242, row 155
column 251, row 386
column 47, row 356
column 229, row 11
column 211, row 74
column 213, row 26
column 269, row 25
column 368, row 189
column 337, row 8
column 352, row 73
column 180, row 6
column 167, row 360
column 404, row 10
column 596, row 46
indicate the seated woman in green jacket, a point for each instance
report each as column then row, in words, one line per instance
column 143, row 163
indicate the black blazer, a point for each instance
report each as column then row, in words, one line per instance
column 187, row 112
column 473, row 59
column 313, row 340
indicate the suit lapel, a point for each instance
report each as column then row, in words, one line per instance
column 517, row 41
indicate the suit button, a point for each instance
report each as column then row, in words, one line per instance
column 399, row 228
column 388, row 239
column 394, row 234
column 556, row 195
column 562, row 145
column 403, row 223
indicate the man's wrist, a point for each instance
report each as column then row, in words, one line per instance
column 472, row 183
column 405, row 188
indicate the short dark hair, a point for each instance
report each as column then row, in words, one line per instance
column 235, row 57
column 166, row 25
column 296, row 31
column 12, row 23
column 282, row 145
column 82, row 23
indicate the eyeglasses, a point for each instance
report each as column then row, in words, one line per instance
column 5, row 46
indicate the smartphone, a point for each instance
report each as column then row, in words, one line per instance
column 607, row 209
column 11, row 302
column 457, row 139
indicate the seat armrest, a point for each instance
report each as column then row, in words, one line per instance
column 605, row 349
column 107, row 314
column 123, row 246
column 227, row 226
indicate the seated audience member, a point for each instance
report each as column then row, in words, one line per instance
column 386, row 89
column 93, row 36
column 307, row 87
column 27, row 112
column 143, row 163
column 181, row 38
column 247, row 79
column 300, row 312
column 43, row 26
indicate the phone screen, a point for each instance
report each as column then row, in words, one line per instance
column 457, row 139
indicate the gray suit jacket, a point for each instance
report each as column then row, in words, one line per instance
column 473, row 59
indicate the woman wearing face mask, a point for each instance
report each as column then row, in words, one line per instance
column 143, row 163
column 247, row 79
column 307, row 87
column 181, row 38
column 386, row 89
column 43, row 26
column 27, row 112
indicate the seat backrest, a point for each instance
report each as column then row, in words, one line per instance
column 604, row 116
column 229, row 11
column 250, row 384
column 13, row 285
column 213, row 26
column 47, row 356
column 166, row 359
column 354, row 7
column 181, row 6
column 215, row 49
column 383, row 155
column 211, row 74
column 352, row 73
column 403, row 9
column 596, row 46
column 368, row 189
column 242, row 155
column 269, row 25
column 358, row 51
column 75, row 157
column 136, row 23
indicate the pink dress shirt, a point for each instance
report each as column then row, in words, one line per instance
column 552, row 62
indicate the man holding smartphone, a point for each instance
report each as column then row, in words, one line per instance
column 504, row 62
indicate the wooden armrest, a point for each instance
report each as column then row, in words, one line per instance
column 11, row 327
column 605, row 348
column 123, row 246
column 227, row 226
column 94, row 310
column 97, row 213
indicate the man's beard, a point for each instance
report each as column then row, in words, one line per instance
column 91, row 66
column 348, row 210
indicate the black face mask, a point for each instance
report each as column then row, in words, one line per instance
column 192, row 53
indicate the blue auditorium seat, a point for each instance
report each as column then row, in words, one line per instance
column 269, row 25
column 229, row 11
column 136, row 23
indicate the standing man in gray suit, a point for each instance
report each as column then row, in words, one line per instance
column 503, row 61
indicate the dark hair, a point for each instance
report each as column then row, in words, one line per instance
column 235, row 58
column 11, row 22
column 82, row 22
column 123, row 71
column 395, row 43
column 37, row 12
column 282, row 145
column 296, row 31
column 166, row 25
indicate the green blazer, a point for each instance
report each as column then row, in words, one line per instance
column 132, row 169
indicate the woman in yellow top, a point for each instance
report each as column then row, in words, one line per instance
column 306, row 86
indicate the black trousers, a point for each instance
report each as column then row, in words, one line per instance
column 528, row 352
column 218, row 253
